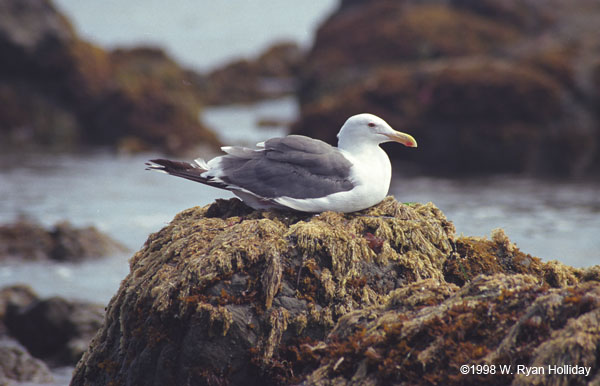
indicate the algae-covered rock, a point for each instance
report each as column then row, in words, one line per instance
column 228, row 295
column 493, row 321
column 216, row 297
column 476, row 255
column 59, row 90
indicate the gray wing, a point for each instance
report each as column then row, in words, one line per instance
column 294, row 166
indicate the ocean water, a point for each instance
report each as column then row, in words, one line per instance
column 550, row 219
column 114, row 193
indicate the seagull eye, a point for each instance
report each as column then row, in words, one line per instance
column 371, row 124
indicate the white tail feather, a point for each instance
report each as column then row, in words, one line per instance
column 201, row 163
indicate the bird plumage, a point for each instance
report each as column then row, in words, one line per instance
column 301, row 173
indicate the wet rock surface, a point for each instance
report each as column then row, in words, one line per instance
column 227, row 295
column 26, row 240
column 55, row 329
column 39, row 334
column 491, row 86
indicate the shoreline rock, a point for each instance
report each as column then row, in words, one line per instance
column 38, row 334
column 60, row 91
column 25, row 240
column 272, row 74
column 485, row 86
column 55, row 330
column 17, row 365
column 224, row 294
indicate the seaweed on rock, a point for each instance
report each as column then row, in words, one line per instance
column 227, row 295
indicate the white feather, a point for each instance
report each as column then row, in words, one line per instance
column 201, row 163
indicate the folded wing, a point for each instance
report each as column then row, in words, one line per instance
column 294, row 166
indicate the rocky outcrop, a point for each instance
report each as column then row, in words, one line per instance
column 58, row 90
column 272, row 74
column 227, row 295
column 14, row 296
column 25, row 240
column 426, row 331
column 484, row 86
column 17, row 365
column 37, row 333
column 55, row 329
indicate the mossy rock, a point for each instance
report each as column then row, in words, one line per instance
column 428, row 330
column 225, row 294
column 217, row 292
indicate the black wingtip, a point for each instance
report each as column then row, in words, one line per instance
column 151, row 165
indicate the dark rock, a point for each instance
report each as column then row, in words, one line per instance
column 25, row 240
column 18, row 295
column 73, row 244
column 59, row 90
column 17, row 365
column 452, row 109
column 54, row 329
column 271, row 75
column 14, row 296
column 155, row 101
column 285, row 298
column 484, row 86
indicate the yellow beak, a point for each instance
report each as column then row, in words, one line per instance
column 403, row 138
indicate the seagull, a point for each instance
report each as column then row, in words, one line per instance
column 301, row 173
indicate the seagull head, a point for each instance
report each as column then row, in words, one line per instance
column 368, row 128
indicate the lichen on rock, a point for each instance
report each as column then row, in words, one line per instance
column 228, row 295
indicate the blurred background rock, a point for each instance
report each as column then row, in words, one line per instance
column 486, row 86
column 61, row 91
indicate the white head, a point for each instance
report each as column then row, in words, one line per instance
column 370, row 129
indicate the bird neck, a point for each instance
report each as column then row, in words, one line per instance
column 354, row 145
